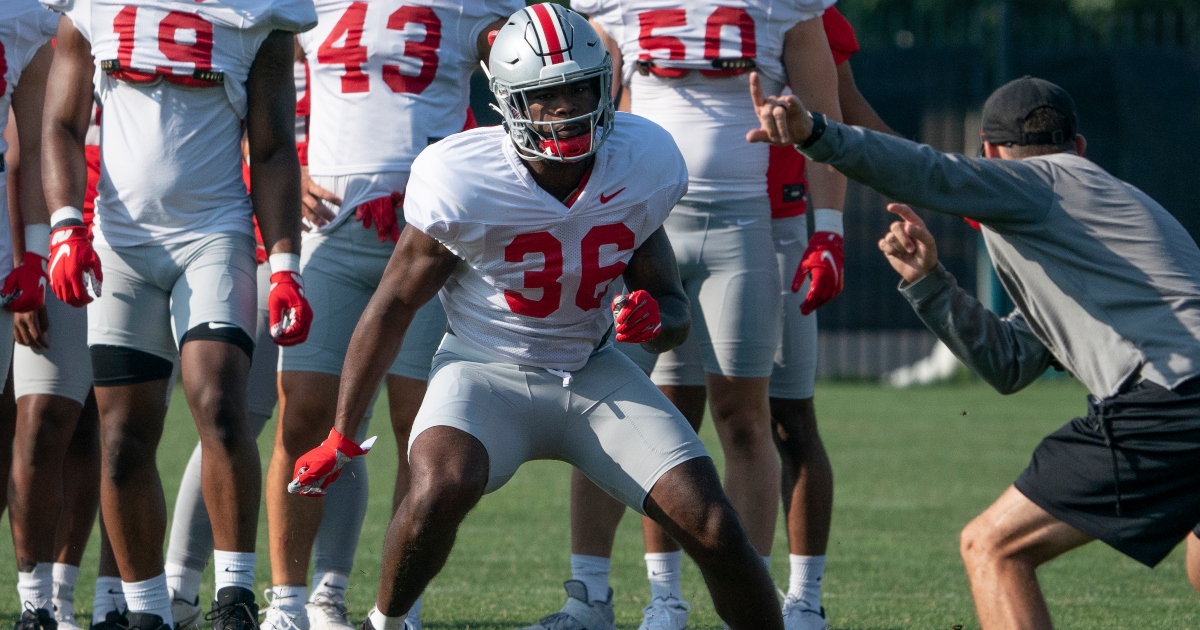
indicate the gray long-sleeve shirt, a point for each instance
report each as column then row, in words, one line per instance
column 1103, row 277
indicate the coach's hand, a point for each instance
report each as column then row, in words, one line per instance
column 782, row 119
column 908, row 245
column 75, row 275
column 291, row 315
column 636, row 317
column 318, row 468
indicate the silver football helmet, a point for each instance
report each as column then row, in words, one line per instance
column 541, row 46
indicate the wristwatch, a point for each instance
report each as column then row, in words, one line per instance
column 818, row 129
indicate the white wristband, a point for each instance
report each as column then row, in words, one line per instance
column 66, row 213
column 37, row 239
column 284, row 262
column 826, row 220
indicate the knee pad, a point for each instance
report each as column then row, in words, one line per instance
column 221, row 331
column 113, row 366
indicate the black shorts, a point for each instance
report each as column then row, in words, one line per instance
column 1127, row 474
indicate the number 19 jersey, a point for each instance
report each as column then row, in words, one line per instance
column 390, row 77
column 534, row 287
column 171, row 80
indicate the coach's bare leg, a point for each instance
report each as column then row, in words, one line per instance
column 1002, row 549
column 690, row 505
column 45, row 425
column 307, row 402
column 1193, row 560
column 81, row 487
column 806, row 477
column 131, row 494
column 404, row 400
column 449, row 474
column 214, row 382
column 690, row 401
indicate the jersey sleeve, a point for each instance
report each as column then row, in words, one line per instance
column 840, row 34
column 430, row 205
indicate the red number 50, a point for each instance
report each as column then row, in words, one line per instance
column 593, row 281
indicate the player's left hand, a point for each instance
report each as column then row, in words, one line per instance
column 24, row 289
column 318, row 468
column 781, row 119
column 382, row 213
column 636, row 317
column 291, row 315
column 29, row 328
column 313, row 200
column 823, row 261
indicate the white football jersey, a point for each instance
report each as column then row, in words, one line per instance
column 25, row 26
column 171, row 80
column 535, row 287
column 390, row 77
column 708, row 114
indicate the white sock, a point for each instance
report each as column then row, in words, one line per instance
column 593, row 572
column 330, row 584
column 289, row 597
column 414, row 613
column 804, row 583
column 664, row 571
column 109, row 596
column 234, row 568
column 184, row 582
column 37, row 586
column 384, row 622
column 64, row 577
column 150, row 597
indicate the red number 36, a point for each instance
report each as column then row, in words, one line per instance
column 593, row 281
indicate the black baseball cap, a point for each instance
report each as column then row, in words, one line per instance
column 1006, row 110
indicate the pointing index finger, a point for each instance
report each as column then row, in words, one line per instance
column 905, row 212
column 756, row 92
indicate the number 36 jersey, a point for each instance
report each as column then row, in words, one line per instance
column 171, row 80
column 685, row 62
column 534, row 287
column 390, row 77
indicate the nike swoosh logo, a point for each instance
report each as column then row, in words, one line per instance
column 827, row 256
column 242, row 571
column 59, row 255
column 219, row 326
column 607, row 198
column 743, row 222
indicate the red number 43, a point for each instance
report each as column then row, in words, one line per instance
column 353, row 55
column 592, row 282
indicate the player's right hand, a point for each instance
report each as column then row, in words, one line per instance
column 29, row 329
column 75, row 275
column 25, row 287
column 314, row 212
column 318, row 468
column 636, row 317
column 291, row 314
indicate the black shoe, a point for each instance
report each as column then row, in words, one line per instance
column 367, row 625
column 35, row 619
column 143, row 621
column 234, row 610
column 114, row 620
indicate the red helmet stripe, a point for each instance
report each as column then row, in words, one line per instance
column 550, row 33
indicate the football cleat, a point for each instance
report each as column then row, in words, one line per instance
column 186, row 614
column 327, row 613
column 234, row 609
column 798, row 616
column 113, row 620
column 277, row 617
column 63, row 614
column 145, row 621
column 578, row 613
column 35, row 619
column 669, row 613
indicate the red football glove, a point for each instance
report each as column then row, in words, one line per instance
column 382, row 212
column 824, row 261
column 636, row 317
column 75, row 274
column 291, row 315
column 318, row 468
column 25, row 287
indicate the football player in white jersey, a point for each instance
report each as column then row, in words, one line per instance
column 385, row 80
column 524, row 229
column 686, row 67
column 174, row 236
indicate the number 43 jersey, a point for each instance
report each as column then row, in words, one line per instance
column 171, row 79
column 534, row 287
column 390, row 77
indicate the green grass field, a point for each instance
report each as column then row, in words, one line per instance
column 912, row 467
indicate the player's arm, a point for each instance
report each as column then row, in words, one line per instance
column 855, row 108
column 652, row 269
column 418, row 268
column 75, row 274
column 814, row 79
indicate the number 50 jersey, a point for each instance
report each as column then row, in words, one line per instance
column 535, row 284
column 390, row 77
column 171, row 80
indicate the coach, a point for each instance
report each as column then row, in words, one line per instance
column 1106, row 284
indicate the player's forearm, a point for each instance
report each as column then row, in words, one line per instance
column 65, row 119
column 271, row 135
column 28, row 103
column 814, row 79
column 275, row 195
column 675, row 315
